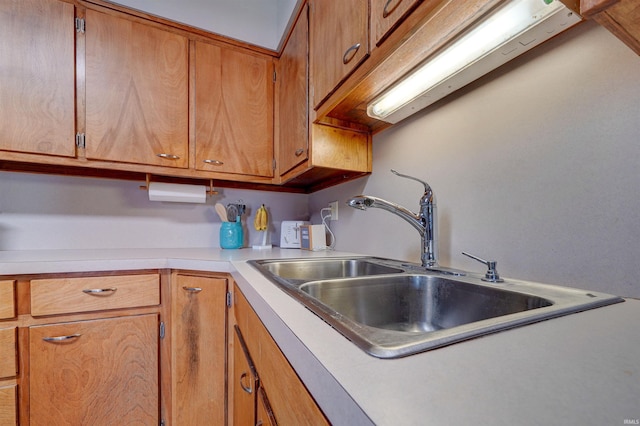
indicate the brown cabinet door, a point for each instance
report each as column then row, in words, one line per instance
column 339, row 42
column 8, row 405
column 245, row 383
column 385, row 15
column 136, row 92
column 198, row 336
column 293, row 97
column 264, row 413
column 37, row 75
column 99, row 372
column 234, row 111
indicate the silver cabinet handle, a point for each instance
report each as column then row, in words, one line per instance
column 247, row 389
column 350, row 53
column 100, row 291
column 61, row 338
column 192, row 289
column 168, row 156
column 388, row 11
column 299, row 152
column 213, row 162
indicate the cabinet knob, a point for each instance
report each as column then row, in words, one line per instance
column 213, row 162
column 389, row 10
column 168, row 156
column 350, row 53
column 299, row 152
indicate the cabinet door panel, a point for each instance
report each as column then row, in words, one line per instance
column 264, row 413
column 8, row 347
column 337, row 27
column 136, row 92
column 234, row 111
column 100, row 372
column 385, row 15
column 8, row 405
column 293, row 98
column 7, row 299
column 198, row 333
column 37, row 93
column 244, row 383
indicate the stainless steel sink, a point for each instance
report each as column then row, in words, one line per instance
column 392, row 309
column 320, row 269
column 418, row 303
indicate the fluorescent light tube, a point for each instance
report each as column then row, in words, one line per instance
column 474, row 54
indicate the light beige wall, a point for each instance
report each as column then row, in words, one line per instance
column 61, row 212
column 537, row 166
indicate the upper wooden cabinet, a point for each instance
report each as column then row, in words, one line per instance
column 621, row 17
column 137, row 87
column 37, row 77
column 339, row 42
column 312, row 155
column 293, row 97
column 385, row 15
column 234, row 111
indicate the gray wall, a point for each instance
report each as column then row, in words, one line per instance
column 61, row 212
column 537, row 166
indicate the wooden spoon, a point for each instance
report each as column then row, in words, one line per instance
column 222, row 212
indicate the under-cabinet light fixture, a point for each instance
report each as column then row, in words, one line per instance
column 513, row 28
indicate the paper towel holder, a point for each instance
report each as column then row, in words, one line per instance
column 211, row 191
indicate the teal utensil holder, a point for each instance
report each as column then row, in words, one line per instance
column 231, row 235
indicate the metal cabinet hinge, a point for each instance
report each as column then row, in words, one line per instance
column 274, row 163
column 162, row 422
column 228, row 299
column 162, row 329
column 275, row 75
column 80, row 140
column 80, row 25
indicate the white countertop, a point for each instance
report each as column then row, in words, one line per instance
column 578, row 369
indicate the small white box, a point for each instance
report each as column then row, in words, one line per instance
column 290, row 233
column 313, row 237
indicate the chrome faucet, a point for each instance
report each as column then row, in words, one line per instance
column 424, row 221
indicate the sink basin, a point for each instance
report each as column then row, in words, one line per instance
column 320, row 269
column 392, row 309
column 418, row 303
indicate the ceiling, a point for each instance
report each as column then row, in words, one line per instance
column 258, row 22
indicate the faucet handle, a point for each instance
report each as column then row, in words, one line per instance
column 491, row 275
column 427, row 188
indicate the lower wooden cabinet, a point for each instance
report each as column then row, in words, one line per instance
column 264, row 413
column 198, row 334
column 8, row 405
column 244, row 381
column 170, row 352
column 97, row 372
column 284, row 399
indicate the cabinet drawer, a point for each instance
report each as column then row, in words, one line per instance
column 69, row 295
column 8, row 364
column 8, row 405
column 7, row 299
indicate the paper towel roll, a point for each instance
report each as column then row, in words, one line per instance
column 177, row 193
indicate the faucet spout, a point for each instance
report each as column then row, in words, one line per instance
column 424, row 221
column 363, row 202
